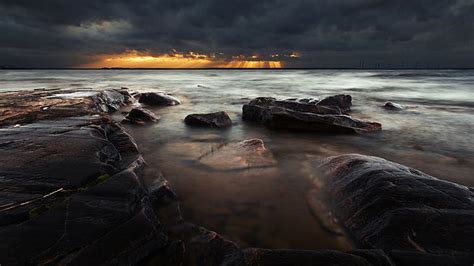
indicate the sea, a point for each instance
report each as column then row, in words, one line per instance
column 267, row 208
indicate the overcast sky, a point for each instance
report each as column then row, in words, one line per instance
column 325, row 33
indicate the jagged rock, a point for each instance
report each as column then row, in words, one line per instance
column 414, row 217
column 217, row 120
column 158, row 98
column 392, row 106
column 140, row 116
column 344, row 102
column 305, row 117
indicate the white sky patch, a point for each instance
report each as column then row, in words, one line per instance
column 99, row 29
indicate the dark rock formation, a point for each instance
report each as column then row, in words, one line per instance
column 158, row 98
column 344, row 102
column 415, row 218
column 392, row 106
column 305, row 117
column 218, row 120
column 70, row 194
column 140, row 116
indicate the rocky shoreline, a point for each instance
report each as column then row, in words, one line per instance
column 73, row 192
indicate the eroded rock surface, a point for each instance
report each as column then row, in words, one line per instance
column 413, row 217
column 158, row 99
column 215, row 120
column 23, row 107
column 304, row 117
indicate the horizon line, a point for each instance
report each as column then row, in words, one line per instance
column 217, row 68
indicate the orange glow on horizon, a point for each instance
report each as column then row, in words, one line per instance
column 134, row 59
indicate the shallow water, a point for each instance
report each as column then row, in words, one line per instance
column 266, row 207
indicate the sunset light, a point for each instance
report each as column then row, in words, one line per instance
column 134, row 59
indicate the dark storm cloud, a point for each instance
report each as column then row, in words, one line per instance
column 327, row 33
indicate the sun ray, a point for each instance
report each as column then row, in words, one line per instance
column 134, row 59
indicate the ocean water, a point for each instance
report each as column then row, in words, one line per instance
column 267, row 208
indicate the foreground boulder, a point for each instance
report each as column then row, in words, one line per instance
column 71, row 195
column 140, row 116
column 217, row 120
column 158, row 99
column 304, row 117
column 413, row 217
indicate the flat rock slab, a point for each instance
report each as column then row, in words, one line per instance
column 70, row 194
column 24, row 107
column 305, row 107
column 308, row 118
column 414, row 217
column 214, row 120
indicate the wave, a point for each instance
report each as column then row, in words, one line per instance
column 411, row 75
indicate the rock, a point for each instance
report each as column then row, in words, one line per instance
column 140, row 116
column 23, row 107
column 303, row 100
column 158, row 98
column 266, row 257
column 266, row 102
column 392, row 106
column 413, row 217
column 218, row 120
column 245, row 155
column 70, row 194
column 261, row 111
column 344, row 102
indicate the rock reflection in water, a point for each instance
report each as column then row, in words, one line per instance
column 239, row 190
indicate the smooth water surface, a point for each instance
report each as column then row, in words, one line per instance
column 267, row 207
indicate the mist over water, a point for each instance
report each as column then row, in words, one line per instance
column 267, row 208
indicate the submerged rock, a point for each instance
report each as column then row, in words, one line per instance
column 343, row 101
column 218, row 120
column 158, row 98
column 305, row 117
column 413, row 217
column 140, row 116
column 392, row 106
column 244, row 155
